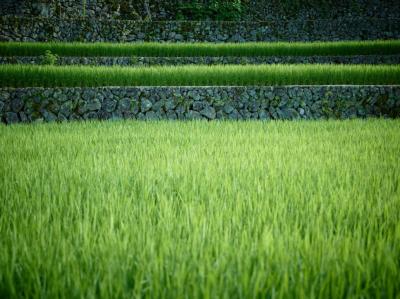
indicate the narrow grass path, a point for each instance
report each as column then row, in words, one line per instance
column 200, row 210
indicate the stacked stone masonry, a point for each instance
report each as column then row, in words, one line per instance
column 111, row 30
column 189, row 103
column 158, row 10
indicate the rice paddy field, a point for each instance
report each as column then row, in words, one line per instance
column 306, row 209
column 378, row 47
column 197, row 75
column 197, row 209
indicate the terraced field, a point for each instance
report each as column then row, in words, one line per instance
column 197, row 209
column 389, row 47
column 72, row 76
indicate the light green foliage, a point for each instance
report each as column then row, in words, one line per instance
column 197, row 75
column 203, row 49
column 49, row 58
column 200, row 210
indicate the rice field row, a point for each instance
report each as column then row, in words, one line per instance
column 197, row 75
column 200, row 210
column 344, row 48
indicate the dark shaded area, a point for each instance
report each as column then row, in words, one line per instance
column 215, row 10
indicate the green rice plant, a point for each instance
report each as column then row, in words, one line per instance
column 194, row 75
column 200, row 210
column 49, row 58
column 390, row 47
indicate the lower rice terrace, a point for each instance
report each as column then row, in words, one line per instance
column 200, row 170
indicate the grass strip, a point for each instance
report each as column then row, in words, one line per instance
column 193, row 75
column 390, row 47
column 200, row 210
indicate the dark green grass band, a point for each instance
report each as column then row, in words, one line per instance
column 390, row 47
column 231, row 75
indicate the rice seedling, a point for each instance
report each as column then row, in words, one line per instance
column 200, row 210
column 196, row 75
column 390, row 47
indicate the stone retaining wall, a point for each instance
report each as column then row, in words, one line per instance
column 187, row 103
column 147, row 61
column 92, row 30
column 169, row 10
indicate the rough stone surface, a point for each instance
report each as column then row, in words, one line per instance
column 192, row 115
column 66, row 108
column 158, row 10
column 49, row 116
column 92, row 105
column 11, row 117
column 109, row 105
column 16, row 105
column 99, row 30
column 190, row 103
column 151, row 115
column 146, row 105
column 208, row 112
column 124, row 104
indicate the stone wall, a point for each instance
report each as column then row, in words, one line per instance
column 148, row 61
column 116, row 9
column 187, row 103
column 161, row 10
column 91, row 30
